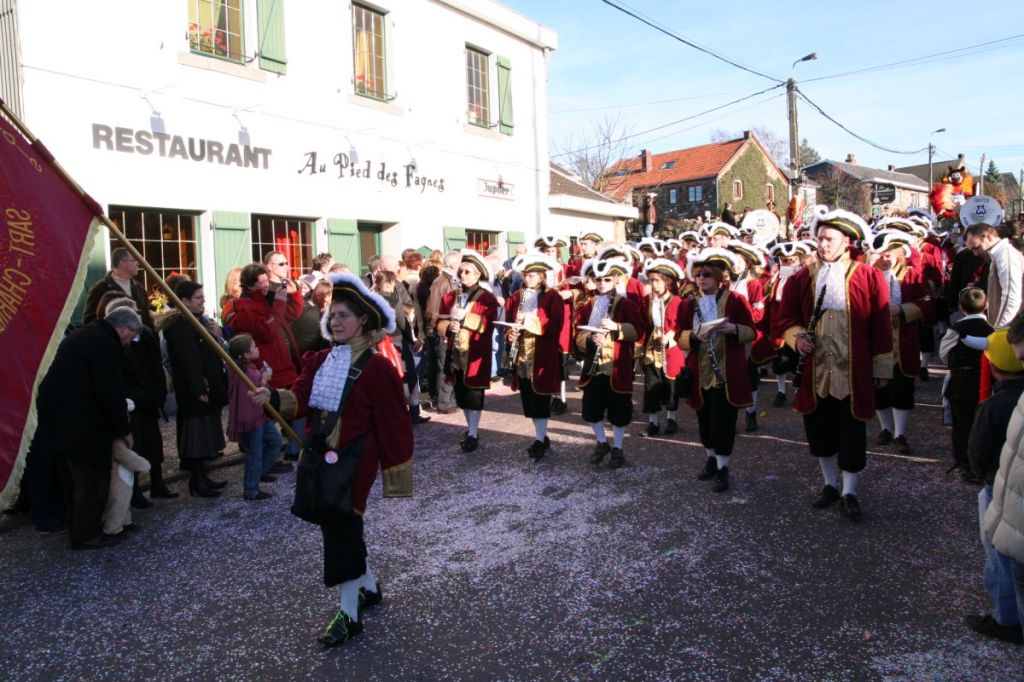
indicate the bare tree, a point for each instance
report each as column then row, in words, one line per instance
column 593, row 153
column 840, row 190
column 776, row 147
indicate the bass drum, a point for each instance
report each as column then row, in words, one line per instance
column 765, row 225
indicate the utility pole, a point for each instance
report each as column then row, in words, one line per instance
column 931, row 151
column 981, row 176
column 794, row 137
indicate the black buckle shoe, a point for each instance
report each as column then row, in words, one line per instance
column 780, row 399
column 671, row 427
column 990, row 627
column 99, row 542
column 558, row 407
column 826, row 498
column 751, row 421
column 340, row 630
column 902, row 446
column 851, row 508
column 368, row 599
column 617, row 459
column 601, row 450
column 470, row 443
column 708, row 472
column 884, row 437
column 538, row 448
column 652, row 429
column 721, row 483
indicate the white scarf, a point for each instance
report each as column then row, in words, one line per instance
column 599, row 310
column 707, row 304
column 330, row 379
column 529, row 302
column 658, row 312
column 833, row 275
column 895, row 293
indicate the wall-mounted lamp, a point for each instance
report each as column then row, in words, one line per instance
column 156, row 121
column 244, row 139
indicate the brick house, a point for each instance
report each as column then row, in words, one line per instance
column 690, row 182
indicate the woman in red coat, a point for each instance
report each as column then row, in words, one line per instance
column 748, row 284
column 716, row 357
column 607, row 376
column 538, row 313
column 373, row 424
column 466, row 318
column 663, row 359
column 910, row 305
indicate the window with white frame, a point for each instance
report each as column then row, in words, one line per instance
column 673, row 196
column 368, row 59
column 215, row 28
column 694, row 193
column 165, row 238
column 291, row 236
column 478, row 90
column 737, row 190
column 481, row 241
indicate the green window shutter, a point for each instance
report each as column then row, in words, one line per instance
column 343, row 242
column 514, row 239
column 425, row 251
column 232, row 245
column 270, row 19
column 454, row 238
column 504, row 95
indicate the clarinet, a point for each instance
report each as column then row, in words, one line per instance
column 810, row 335
column 452, row 352
column 712, row 355
column 595, row 359
column 512, row 354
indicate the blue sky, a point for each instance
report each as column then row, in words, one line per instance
column 608, row 59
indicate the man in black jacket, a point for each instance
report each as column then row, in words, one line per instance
column 123, row 269
column 82, row 408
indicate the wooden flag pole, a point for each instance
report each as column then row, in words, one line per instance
column 119, row 236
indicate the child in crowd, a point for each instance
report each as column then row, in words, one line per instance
column 963, row 357
column 247, row 424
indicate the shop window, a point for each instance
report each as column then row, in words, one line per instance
column 477, row 88
column 215, row 28
column 481, row 241
column 694, row 193
column 737, row 190
column 166, row 239
column 368, row 58
column 291, row 236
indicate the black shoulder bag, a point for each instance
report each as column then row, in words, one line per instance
column 323, row 480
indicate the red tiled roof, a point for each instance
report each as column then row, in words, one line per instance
column 705, row 161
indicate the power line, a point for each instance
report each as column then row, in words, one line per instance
column 675, row 36
column 645, row 104
column 859, row 137
column 717, row 118
column 991, row 44
column 667, row 125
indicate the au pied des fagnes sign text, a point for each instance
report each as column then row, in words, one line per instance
column 342, row 168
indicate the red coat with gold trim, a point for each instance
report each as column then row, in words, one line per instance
column 547, row 360
column 674, row 355
column 869, row 326
column 733, row 361
column 375, row 408
column 631, row 320
column 917, row 308
column 479, row 326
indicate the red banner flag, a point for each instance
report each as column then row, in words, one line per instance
column 46, row 235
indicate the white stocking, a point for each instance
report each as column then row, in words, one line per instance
column 850, row 482
column 540, row 427
column 722, row 460
column 598, row 428
column 350, row 597
column 829, row 469
column 885, row 419
column 618, row 433
column 902, row 416
column 473, row 420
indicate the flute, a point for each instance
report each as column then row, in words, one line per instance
column 810, row 335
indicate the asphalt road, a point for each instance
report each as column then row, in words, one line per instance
column 501, row 568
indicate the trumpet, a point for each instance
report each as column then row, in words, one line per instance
column 514, row 342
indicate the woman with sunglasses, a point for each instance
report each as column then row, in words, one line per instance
column 466, row 320
column 607, row 376
column 538, row 314
column 715, row 328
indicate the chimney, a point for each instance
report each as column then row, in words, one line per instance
column 646, row 160
column 746, row 134
column 851, row 159
column 891, row 168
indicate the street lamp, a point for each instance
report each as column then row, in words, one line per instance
column 794, row 139
column 931, row 149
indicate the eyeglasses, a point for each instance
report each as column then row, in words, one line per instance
column 606, row 279
column 284, row 262
column 699, row 275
